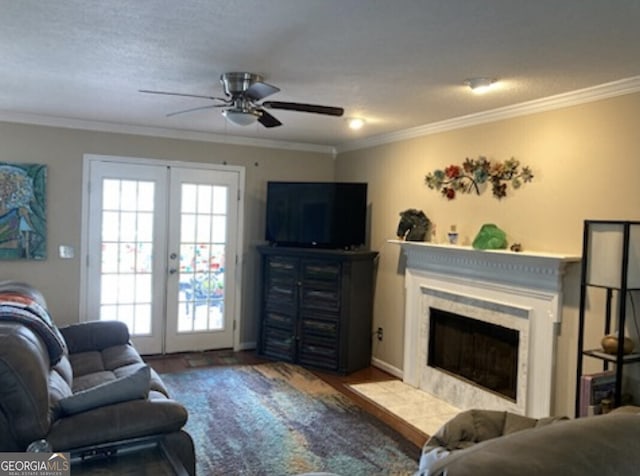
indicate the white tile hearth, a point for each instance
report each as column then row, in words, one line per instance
column 418, row 408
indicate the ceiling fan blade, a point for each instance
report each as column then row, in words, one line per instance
column 267, row 120
column 301, row 107
column 211, row 106
column 259, row 90
column 167, row 93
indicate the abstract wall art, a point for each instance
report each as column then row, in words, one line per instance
column 23, row 211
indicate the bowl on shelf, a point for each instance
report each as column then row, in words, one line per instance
column 610, row 344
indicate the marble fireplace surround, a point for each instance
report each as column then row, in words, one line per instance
column 521, row 291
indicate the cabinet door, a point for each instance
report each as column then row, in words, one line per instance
column 319, row 342
column 281, row 283
column 320, row 304
column 321, row 285
column 278, row 344
column 279, row 312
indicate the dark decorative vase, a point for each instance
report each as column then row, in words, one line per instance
column 413, row 225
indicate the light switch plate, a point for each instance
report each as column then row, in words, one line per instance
column 66, row 251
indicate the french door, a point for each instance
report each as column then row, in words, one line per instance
column 162, row 242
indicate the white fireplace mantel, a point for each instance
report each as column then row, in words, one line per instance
column 529, row 269
column 526, row 281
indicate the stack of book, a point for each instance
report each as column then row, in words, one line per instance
column 594, row 388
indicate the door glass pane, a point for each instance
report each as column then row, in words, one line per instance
column 126, row 315
column 110, row 258
column 110, row 226
column 219, row 229
column 220, row 200
column 143, row 319
column 202, row 246
column 127, row 258
column 143, row 289
column 108, row 313
column 188, row 198
column 128, row 194
column 144, row 227
column 203, row 234
column 128, row 226
column 188, row 227
column 204, row 199
column 127, row 253
column 144, row 259
column 111, row 194
column 145, row 196
column 109, row 286
column 126, row 291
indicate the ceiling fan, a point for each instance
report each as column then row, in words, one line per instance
column 240, row 104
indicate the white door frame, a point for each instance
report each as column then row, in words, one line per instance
column 84, row 239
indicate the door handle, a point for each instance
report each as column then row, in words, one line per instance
column 173, row 271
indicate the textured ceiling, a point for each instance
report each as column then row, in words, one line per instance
column 399, row 64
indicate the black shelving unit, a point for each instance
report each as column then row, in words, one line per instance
column 611, row 263
column 317, row 307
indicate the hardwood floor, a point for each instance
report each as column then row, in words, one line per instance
column 180, row 362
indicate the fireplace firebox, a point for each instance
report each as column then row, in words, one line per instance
column 478, row 352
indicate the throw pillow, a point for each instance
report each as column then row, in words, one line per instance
column 131, row 387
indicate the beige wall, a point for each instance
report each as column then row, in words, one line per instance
column 586, row 163
column 63, row 149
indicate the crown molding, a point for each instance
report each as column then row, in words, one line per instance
column 558, row 101
column 573, row 98
column 99, row 126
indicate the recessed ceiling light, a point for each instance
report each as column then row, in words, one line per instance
column 356, row 123
column 480, row 85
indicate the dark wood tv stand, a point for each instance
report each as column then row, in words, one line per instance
column 317, row 306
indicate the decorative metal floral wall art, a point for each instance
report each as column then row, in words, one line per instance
column 474, row 174
column 23, row 218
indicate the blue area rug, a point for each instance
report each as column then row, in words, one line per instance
column 278, row 419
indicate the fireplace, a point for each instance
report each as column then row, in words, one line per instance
column 478, row 352
column 518, row 293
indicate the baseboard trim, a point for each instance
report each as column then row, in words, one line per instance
column 246, row 346
column 390, row 369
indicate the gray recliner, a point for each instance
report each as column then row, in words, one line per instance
column 488, row 443
column 78, row 387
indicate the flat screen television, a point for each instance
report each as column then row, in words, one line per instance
column 328, row 215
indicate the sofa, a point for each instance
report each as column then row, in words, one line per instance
column 82, row 388
column 483, row 443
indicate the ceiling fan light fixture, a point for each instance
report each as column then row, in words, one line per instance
column 480, row 85
column 243, row 105
column 241, row 117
